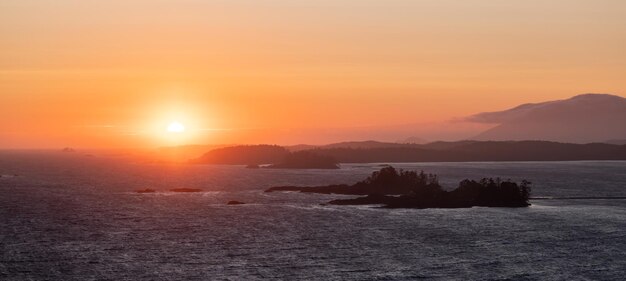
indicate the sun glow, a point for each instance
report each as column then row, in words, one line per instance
column 176, row 122
column 176, row 127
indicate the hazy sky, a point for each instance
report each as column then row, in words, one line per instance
column 112, row 73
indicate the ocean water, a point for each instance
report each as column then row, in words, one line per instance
column 67, row 216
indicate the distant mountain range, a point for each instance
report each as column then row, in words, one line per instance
column 535, row 131
column 582, row 119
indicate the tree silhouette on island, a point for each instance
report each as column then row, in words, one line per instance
column 410, row 189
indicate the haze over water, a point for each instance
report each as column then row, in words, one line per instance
column 114, row 74
column 72, row 217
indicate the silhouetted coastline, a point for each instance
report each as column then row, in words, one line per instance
column 253, row 156
column 378, row 152
column 476, row 151
column 243, row 155
column 306, row 160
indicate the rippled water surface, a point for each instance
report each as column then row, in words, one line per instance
column 65, row 216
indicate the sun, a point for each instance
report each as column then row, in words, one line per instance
column 176, row 127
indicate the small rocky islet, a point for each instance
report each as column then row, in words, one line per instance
column 234, row 202
column 145, row 190
column 409, row 189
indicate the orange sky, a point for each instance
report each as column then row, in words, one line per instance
column 114, row 73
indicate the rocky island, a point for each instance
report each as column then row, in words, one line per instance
column 409, row 189
column 234, row 202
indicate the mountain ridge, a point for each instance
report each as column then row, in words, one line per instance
column 585, row 118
